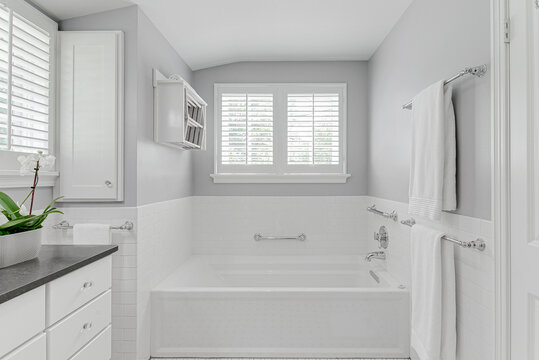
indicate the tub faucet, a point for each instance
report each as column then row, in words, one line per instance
column 376, row 255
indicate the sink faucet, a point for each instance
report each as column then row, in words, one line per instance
column 376, row 255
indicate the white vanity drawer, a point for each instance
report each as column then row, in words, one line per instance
column 35, row 349
column 21, row 319
column 68, row 293
column 98, row 349
column 71, row 334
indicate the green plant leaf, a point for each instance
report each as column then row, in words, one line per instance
column 18, row 223
column 52, row 202
column 22, row 222
column 11, row 209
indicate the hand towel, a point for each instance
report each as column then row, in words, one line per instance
column 91, row 234
column 433, row 295
column 433, row 159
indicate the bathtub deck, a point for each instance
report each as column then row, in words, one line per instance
column 277, row 359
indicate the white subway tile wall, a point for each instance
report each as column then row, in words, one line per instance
column 164, row 243
column 474, row 272
column 167, row 233
column 124, row 269
column 227, row 224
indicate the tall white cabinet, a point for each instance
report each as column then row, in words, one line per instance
column 90, row 103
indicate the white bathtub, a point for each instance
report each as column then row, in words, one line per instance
column 279, row 306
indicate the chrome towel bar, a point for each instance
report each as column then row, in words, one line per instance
column 392, row 215
column 64, row 225
column 300, row 237
column 477, row 244
column 478, row 71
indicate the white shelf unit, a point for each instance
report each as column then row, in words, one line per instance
column 179, row 113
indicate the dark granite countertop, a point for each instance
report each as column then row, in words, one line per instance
column 53, row 262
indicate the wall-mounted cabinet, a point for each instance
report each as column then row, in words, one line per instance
column 179, row 113
column 90, row 100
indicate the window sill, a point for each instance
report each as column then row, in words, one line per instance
column 280, row 179
column 13, row 179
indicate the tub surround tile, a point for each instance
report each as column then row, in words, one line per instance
column 474, row 272
column 167, row 233
column 226, row 224
column 163, row 244
column 277, row 358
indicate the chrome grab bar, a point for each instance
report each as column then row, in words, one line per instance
column 300, row 237
column 477, row 244
column 64, row 225
column 392, row 215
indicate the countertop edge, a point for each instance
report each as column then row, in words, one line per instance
column 48, row 278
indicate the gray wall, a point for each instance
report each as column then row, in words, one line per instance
column 126, row 20
column 42, row 198
column 350, row 72
column 433, row 40
column 163, row 173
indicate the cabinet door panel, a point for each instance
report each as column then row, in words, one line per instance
column 91, row 123
column 21, row 319
column 71, row 334
column 97, row 349
column 35, row 349
column 68, row 293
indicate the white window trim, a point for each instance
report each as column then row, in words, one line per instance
column 9, row 175
column 277, row 174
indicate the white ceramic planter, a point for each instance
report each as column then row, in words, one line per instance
column 19, row 247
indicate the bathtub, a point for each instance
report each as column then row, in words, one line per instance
column 279, row 306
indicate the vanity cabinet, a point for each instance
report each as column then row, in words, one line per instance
column 66, row 318
column 90, row 103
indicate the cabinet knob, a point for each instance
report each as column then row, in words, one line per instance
column 108, row 183
column 87, row 326
column 87, row 285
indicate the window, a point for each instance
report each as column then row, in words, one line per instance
column 26, row 73
column 247, row 129
column 280, row 133
column 313, row 129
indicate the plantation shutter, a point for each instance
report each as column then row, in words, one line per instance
column 247, row 129
column 4, row 71
column 313, row 129
column 25, row 63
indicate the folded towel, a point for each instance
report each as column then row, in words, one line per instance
column 433, row 322
column 91, row 234
column 433, row 158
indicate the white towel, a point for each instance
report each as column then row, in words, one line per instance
column 433, row 158
column 433, row 325
column 91, row 234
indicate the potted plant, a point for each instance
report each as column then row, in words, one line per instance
column 20, row 236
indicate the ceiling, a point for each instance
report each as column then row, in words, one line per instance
column 214, row 32
column 66, row 9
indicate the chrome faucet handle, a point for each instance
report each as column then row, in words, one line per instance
column 382, row 237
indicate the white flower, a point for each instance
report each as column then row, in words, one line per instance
column 22, row 210
column 29, row 163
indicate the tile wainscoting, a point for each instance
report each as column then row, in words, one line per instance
column 226, row 224
column 474, row 272
column 124, row 269
column 159, row 243
column 167, row 233
column 164, row 243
